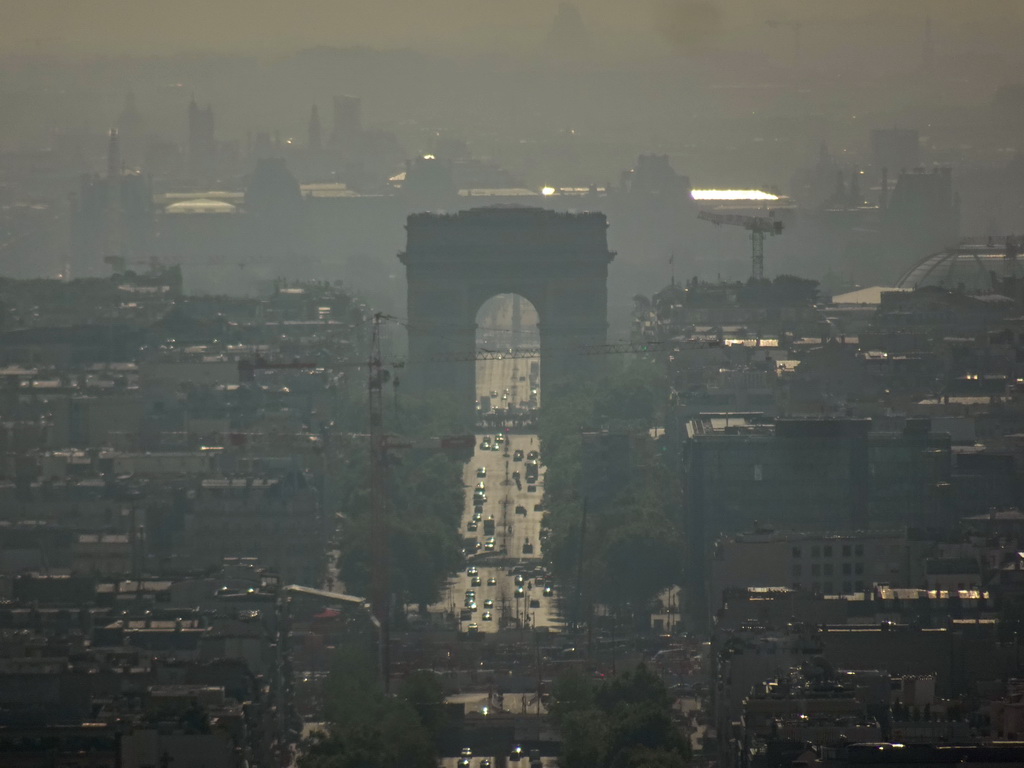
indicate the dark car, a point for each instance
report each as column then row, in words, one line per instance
column 517, row 454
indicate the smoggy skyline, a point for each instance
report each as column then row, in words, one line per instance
column 648, row 27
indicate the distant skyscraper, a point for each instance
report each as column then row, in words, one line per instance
column 928, row 52
column 348, row 123
column 111, row 216
column 131, row 133
column 113, row 155
column 202, row 147
column 315, row 135
column 568, row 33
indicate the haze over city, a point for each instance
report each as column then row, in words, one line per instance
column 464, row 383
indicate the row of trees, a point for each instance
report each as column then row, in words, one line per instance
column 366, row 728
column 425, row 500
column 624, row 550
column 625, row 722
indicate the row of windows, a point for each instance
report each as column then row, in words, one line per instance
column 817, row 569
column 828, row 587
column 848, row 550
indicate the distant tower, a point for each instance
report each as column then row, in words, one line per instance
column 568, row 34
column 273, row 210
column 201, row 143
column 113, row 155
column 928, row 51
column 315, row 135
column 111, row 216
column 130, row 132
column 348, row 123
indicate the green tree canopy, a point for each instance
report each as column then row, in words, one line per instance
column 368, row 729
column 625, row 722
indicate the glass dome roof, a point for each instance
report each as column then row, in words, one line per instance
column 971, row 266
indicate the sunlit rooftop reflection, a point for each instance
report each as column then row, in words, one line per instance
column 732, row 194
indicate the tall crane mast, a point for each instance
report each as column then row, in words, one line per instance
column 380, row 556
column 758, row 226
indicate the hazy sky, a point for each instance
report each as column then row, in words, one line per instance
column 272, row 26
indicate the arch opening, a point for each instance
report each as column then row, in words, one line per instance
column 508, row 387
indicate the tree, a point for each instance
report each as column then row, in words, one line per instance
column 650, row 540
column 643, row 757
column 583, row 733
column 353, row 690
column 643, row 729
column 625, row 722
column 633, row 687
column 424, row 511
column 423, row 692
column 366, row 728
column 571, row 692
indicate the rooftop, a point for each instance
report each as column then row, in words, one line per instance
column 974, row 266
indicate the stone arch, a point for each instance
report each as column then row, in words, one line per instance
column 456, row 262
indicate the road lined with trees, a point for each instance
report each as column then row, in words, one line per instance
column 638, row 526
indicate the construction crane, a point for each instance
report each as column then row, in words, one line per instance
column 758, row 226
column 379, row 447
column 247, row 368
column 620, row 348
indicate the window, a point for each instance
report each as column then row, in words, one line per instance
column 828, row 551
column 828, row 588
column 758, row 472
column 847, row 569
column 858, row 568
column 860, row 586
column 847, row 587
column 816, row 569
column 796, row 552
column 816, row 586
column 859, row 550
column 815, row 551
column 828, row 569
column 846, row 550
column 796, row 571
